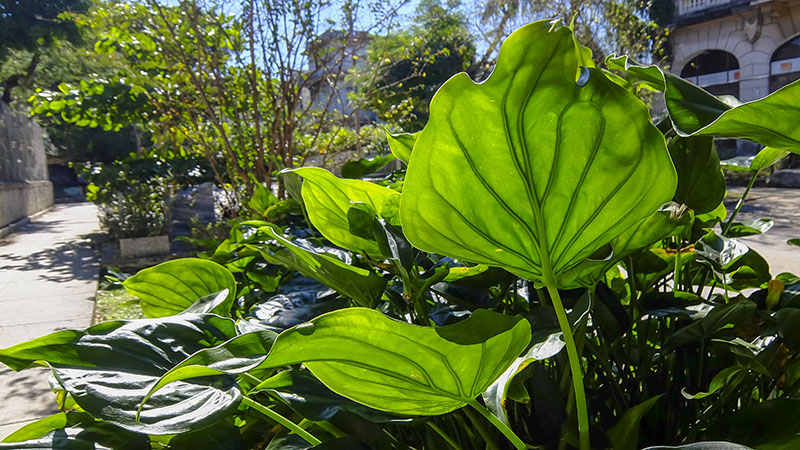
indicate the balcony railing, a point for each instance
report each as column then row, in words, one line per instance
column 691, row 6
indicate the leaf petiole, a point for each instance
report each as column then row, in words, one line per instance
column 503, row 428
column 574, row 366
column 281, row 420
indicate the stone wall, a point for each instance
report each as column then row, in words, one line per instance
column 24, row 187
column 751, row 36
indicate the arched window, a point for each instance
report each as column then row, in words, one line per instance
column 785, row 65
column 716, row 71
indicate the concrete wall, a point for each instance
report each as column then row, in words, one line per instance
column 24, row 187
column 751, row 36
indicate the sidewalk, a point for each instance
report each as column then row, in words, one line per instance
column 781, row 205
column 48, row 279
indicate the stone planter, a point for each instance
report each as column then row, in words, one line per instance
column 142, row 247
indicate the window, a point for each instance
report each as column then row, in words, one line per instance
column 716, row 71
column 785, row 65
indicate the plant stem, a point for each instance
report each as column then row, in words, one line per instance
column 574, row 367
column 281, row 420
column 739, row 204
column 503, row 428
column 485, row 435
column 444, row 436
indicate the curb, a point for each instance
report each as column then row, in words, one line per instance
column 14, row 226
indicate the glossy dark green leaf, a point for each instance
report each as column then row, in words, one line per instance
column 171, row 287
column 789, row 326
column 217, row 437
column 108, row 368
column 625, row 434
column 795, row 242
column 701, row 184
column 555, row 171
column 495, row 395
column 284, row 311
column 758, row 226
column 404, row 368
column 770, row 425
column 235, row 356
column 327, row 200
column 720, row 251
column 711, row 445
column 719, row 318
column 73, row 430
column 363, row 286
column 402, row 144
column 364, row 166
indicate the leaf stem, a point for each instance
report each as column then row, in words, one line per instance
column 444, row 436
column 503, row 428
column 739, row 204
column 485, row 435
column 281, row 420
column 574, row 366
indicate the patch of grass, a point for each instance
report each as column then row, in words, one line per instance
column 116, row 304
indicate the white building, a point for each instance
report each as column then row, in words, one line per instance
column 738, row 47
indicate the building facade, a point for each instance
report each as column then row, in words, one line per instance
column 743, row 48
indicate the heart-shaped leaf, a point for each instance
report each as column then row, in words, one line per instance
column 398, row 367
column 328, row 198
column 542, row 170
column 394, row 366
column 108, row 368
column 171, row 287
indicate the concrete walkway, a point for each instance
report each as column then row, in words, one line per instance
column 783, row 206
column 48, row 279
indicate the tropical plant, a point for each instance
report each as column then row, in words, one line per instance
column 553, row 270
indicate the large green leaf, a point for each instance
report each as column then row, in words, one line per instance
column 174, row 286
column 701, row 184
column 394, row 366
column 770, row 121
column 108, row 368
column 365, row 287
column 530, row 170
column 328, row 198
column 386, row 364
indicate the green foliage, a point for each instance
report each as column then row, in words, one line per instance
column 361, row 330
column 415, row 62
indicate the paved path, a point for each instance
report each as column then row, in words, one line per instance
column 48, row 279
column 783, row 206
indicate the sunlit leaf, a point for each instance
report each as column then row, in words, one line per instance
column 542, row 171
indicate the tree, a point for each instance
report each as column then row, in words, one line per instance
column 29, row 27
column 416, row 61
column 235, row 84
column 615, row 26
